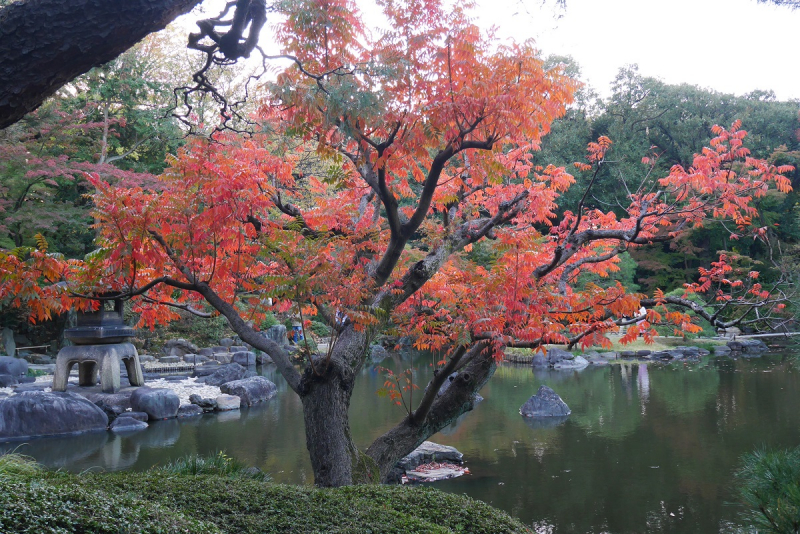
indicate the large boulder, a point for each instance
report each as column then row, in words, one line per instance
column 113, row 404
column 578, row 362
column 277, row 333
column 251, row 390
column 39, row 413
column 13, row 366
column 227, row 373
column 157, row 403
column 546, row 403
column 244, row 358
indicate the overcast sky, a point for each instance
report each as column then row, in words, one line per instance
column 732, row 46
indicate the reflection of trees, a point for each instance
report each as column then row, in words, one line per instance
column 684, row 391
column 603, row 401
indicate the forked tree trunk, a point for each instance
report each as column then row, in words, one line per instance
column 458, row 399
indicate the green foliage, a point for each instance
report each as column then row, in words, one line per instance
column 202, row 331
column 151, row 502
column 769, row 485
column 205, row 332
column 220, row 464
column 13, row 465
column 320, row 329
column 269, row 320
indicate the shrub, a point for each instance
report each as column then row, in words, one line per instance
column 269, row 320
column 770, row 488
column 320, row 329
column 211, row 496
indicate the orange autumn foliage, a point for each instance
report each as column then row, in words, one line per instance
column 428, row 129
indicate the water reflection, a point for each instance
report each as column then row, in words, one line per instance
column 643, row 442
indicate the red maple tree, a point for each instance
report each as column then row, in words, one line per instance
column 380, row 163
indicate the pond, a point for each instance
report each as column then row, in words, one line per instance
column 648, row 448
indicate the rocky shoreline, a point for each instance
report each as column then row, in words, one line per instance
column 29, row 408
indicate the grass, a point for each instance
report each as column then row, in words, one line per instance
column 192, row 497
column 13, row 465
column 220, row 464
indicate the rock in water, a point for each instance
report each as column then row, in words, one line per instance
column 38, row 413
column 205, row 403
column 226, row 403
column 426, row 453
column 546, row 403
column 157, row 403
column 127, row 424
column 250, row 390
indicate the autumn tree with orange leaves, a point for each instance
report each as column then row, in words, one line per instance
column 424, row 135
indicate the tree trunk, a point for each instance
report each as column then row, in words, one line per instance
column 47, row 43
column 325, row 412
column 325, row 390
column 458, row 399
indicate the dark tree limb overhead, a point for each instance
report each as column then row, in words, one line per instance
column 47, row 43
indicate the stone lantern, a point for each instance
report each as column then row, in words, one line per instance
column 100, row 343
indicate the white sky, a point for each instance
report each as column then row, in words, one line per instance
column 732, row 46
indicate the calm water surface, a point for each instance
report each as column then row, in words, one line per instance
column 646, row 449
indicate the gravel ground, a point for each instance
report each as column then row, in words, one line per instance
column 183, row 388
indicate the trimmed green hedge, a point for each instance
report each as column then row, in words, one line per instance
column 159, row 502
